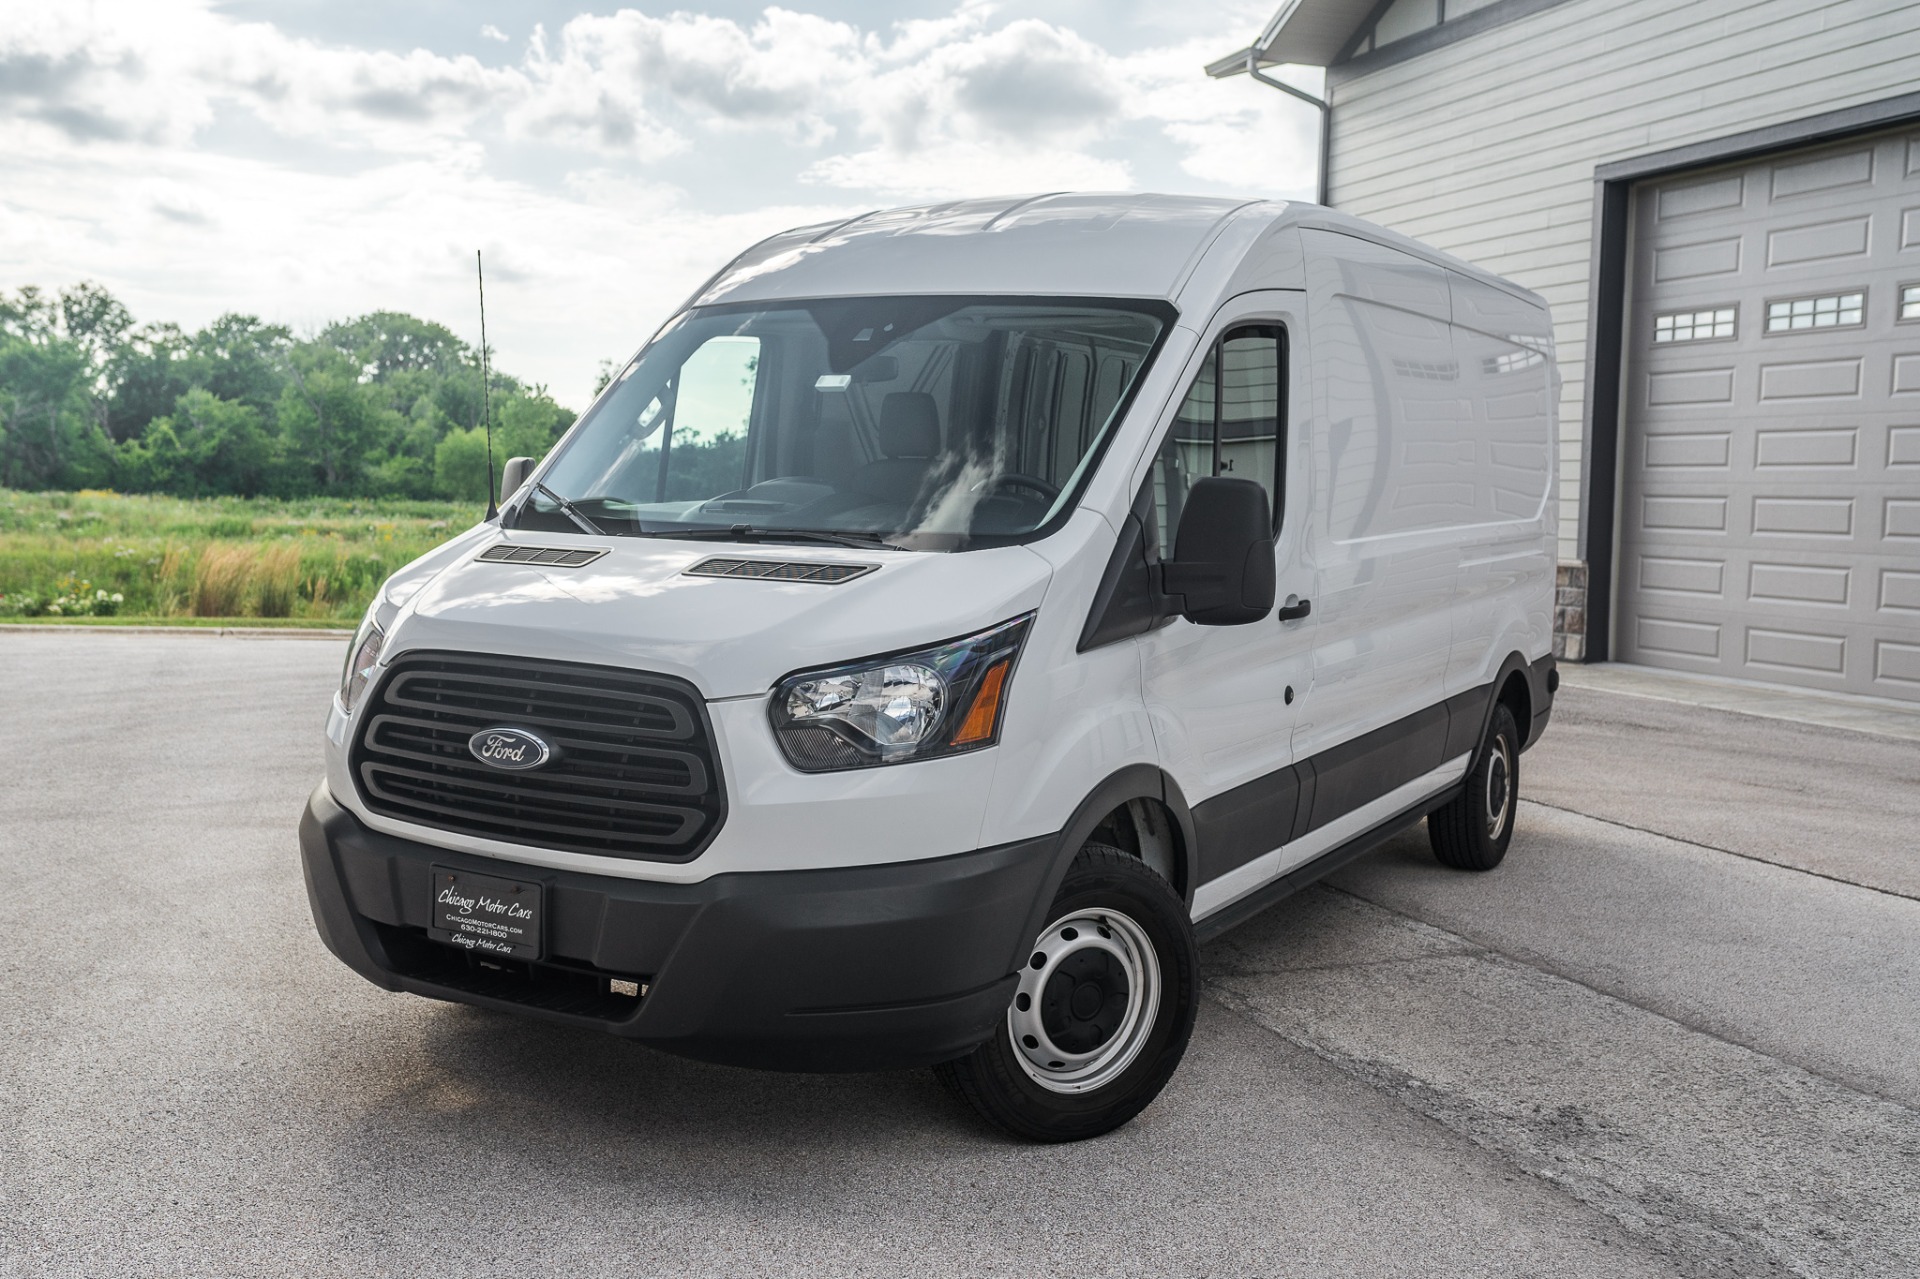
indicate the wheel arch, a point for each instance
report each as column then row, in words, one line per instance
column 1106, row 801
column 1513, row 688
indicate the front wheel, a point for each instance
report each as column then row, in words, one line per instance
column 1103, row 1011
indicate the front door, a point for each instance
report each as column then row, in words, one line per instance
column 1221, row 698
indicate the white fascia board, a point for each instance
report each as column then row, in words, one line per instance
column 1306, row 32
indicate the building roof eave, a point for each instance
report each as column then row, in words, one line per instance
column 1305, row 32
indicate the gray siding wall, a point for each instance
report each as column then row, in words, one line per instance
column 1486, row 147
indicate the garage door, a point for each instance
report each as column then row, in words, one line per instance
column 1770, row 518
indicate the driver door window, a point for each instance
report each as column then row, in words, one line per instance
column 1231, row 423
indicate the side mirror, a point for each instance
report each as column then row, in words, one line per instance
column 513, row 475
column 1222, row 566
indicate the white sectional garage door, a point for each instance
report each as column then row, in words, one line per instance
column 1770, row 512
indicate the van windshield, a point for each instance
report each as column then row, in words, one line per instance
column 936, row 423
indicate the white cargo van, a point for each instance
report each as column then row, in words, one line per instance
column 944, row 621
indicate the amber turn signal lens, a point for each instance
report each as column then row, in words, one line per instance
column 978, row 726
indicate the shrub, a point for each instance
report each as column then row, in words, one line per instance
column 220, row 581
column 276, row 578
column 77, row 598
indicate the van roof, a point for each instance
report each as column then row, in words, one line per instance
column 1146, row 247
column 1037, row 244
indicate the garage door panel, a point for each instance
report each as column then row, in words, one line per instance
column 1899, row 590
column 1679, row 514
column 1700, row 261
column 1787, row 379
column 1897, row 667
column 1684, row 199
column 1690, row 386
column 1798, row 584
column 1803, row 652
column 1906, row 374
column 1821, row 242
column 1690, row 641
column 1803, row 516
column 1798, row 449
column 1669, row 574
column 1770, row 488
column 1688, row 450
column 1903, row 446
column 1800, row 177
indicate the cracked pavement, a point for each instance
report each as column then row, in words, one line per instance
column 1674, row 1034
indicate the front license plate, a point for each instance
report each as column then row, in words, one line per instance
column 486, row 914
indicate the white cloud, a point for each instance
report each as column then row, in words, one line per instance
column 951, row 168
column 574, row 276
column 491, row 32
column 606, row 167
column 1230, row 131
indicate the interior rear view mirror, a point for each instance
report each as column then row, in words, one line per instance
column 1222, row 569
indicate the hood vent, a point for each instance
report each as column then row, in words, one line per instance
column 551, row 556
column 781, row 570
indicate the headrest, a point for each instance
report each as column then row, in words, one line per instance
column 909, row 424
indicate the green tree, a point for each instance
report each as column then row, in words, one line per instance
column 146, row 372
column 94, row 318
column 460, row 465
column 525, row 424
column 49, row 432
column 241, row 359
column 207, row 446
column 386, row 343
column 385, row 403
column 329, row 422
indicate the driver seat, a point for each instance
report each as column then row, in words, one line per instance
column 910, row 441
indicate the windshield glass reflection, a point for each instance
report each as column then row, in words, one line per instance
column 929, row 422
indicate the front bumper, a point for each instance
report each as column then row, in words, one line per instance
column 861, row 968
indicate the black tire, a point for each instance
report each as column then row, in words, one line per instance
column 1135, row 910
column 1472, row 832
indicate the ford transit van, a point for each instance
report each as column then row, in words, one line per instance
column 946, row 621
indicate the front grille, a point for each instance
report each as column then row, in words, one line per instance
column 633, row 772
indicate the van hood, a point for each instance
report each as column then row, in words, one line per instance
column 637, row 607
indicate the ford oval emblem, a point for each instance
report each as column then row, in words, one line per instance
column 511, row 748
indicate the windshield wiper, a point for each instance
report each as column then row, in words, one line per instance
column 572, row 512
column 753, row 533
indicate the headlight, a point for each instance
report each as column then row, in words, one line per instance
column 362, row 657
column 931, row 702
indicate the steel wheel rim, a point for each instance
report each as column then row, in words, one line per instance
column 1100, row 939
column 1499, row 787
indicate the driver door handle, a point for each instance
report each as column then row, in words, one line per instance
column 1294, row 609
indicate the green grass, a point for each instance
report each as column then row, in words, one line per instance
column 190, row 623
column 210, row 561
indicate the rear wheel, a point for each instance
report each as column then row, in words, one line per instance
column 1472, row 832
column 1103, row 1011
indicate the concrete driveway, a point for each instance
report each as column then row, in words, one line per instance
column 1676, row 1033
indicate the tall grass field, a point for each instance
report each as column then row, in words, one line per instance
column 91, row 556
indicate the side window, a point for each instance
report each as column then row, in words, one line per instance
column 692, row 437
column 1232, row 422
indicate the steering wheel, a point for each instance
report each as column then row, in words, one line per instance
column 1015, row 480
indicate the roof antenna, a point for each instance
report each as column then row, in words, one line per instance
column 486, row 384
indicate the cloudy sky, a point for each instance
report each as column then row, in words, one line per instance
column 306, row 160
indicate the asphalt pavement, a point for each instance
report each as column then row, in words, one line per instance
column 1675, row 1034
